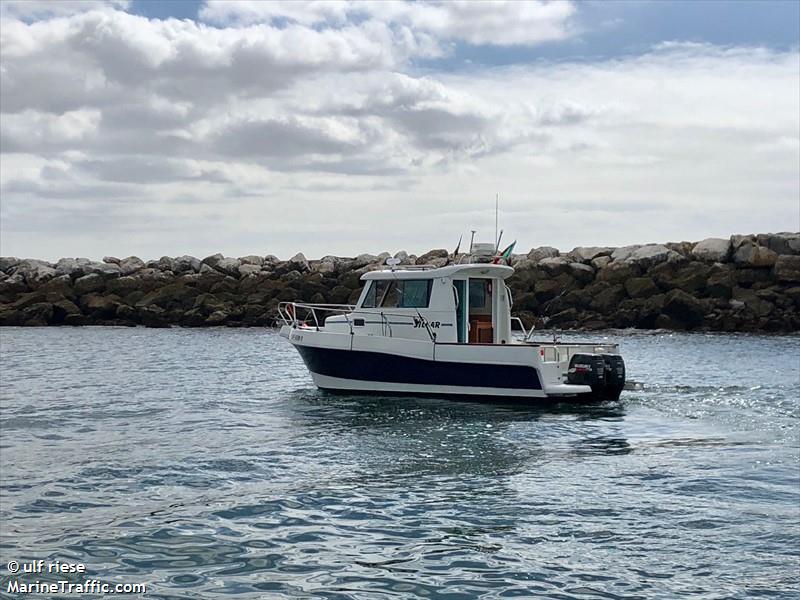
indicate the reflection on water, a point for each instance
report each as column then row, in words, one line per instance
column 204, row 464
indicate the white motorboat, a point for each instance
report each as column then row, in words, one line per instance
column 444, row 331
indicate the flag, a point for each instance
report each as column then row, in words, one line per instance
column 506, row 254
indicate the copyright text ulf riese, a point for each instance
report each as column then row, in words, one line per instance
column 54, row 568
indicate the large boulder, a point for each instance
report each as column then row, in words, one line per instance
column 607, row 300
column 74, row 267
column 618, row 272
column 105, row 269
column 130, row 265
column 713, row 250
column 88, row 284
column 581, row 272
column 429, row 257
column 34, row 271
column 586, row 255
column 251, row 259
column 780, row 243
column 649, row 255
column 298, row 263
column 228, row 266
column 186, row 264
column 537, row 254
column 166, row 263
column 249, row 269
column 362, row 260
column 328, row 264
column 623, row 253
column 212, row 260
column 555, row 265
column 683, row 308
column 8, row 262
column 787, row 268
column 749, row 254
column 641, row 287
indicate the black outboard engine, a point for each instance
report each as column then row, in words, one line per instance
column 604, row 373
column 615, row 375
column 587, row 369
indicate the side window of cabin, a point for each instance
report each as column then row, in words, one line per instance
column 376, row 294
column 416, row 293
column 409, row 293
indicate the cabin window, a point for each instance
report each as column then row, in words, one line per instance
column 479, row 292
column 375, row 294
column 415, row 293
column 408, row 293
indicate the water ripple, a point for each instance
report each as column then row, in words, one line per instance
column 205, row 464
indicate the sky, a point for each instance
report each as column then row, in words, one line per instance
column 330, row 127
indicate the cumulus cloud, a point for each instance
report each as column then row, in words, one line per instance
column 203, row 133
column 496, row 22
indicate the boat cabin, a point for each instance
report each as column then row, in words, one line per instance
column 455, row 304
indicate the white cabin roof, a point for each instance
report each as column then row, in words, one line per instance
column 483, row 270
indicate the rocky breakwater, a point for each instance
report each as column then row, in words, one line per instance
column 741, row 283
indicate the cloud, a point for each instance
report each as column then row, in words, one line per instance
column 492, row 22
column 29, row 10
column 210, row 130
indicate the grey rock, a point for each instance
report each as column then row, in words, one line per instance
column 586, row 255
column 750, row 255
column 713, row 250
column 298, row 263
column 736, row 304
column 601, row 262
column 787, row 268
column 251, row 259
column 74, row 267
column 89, row 283
column 328, row 264
column 401, row 256
column 684, row 308
column 651, row 255
column 111, row 260
column 204, row 268
column 362, row 260
column 623, row 253
column 7, row 262
column 212, row 260
column 105, row 269
column 554, row 265
column 130, row 265
column 781, row 243
column 525, row 264
column 641, row 287
column 166, row 263
column 229, row 266
column 34, row 271
column 249, row 269
column 537, row 254
column 581, row 272
column 186, row 264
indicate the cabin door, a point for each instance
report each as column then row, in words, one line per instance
column 462, row 305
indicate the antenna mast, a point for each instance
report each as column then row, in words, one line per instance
column 496, row 209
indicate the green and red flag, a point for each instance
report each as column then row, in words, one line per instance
column 505, row 254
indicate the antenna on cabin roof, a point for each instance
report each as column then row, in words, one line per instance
column 472, row 239
column 496, row 211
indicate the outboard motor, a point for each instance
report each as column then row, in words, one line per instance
column 615, row 375
column 604, row 373
column 587, row 369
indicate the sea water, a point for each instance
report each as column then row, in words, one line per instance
column 203, row 463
